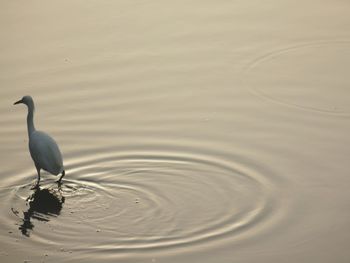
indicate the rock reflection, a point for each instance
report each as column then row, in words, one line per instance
column 43, row 204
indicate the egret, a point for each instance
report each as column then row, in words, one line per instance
column 42, row 147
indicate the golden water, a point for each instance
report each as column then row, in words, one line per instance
column 191, row 131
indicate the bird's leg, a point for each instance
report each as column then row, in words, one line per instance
column 63, row 174
column 37, row 183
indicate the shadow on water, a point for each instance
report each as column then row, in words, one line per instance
column 42, row 205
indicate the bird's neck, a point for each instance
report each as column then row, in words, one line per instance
column 30, row 121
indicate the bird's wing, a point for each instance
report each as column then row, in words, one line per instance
column 45, row 152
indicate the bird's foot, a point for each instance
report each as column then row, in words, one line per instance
column 35, row 186
column 59, row 182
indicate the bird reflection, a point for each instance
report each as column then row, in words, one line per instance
column 43, row 204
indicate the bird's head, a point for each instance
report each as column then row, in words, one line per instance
column 27, row 100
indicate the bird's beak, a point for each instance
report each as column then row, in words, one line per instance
column 18, row 102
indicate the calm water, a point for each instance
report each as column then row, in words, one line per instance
column 192, row 131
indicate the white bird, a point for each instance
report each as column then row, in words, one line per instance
column 43, row 148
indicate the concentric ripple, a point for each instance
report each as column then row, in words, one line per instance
column 310, row 76
column 136, row 200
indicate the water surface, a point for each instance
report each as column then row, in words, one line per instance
column 195, row 131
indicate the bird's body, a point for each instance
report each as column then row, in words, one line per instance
column 45, row 152
column 42, row 147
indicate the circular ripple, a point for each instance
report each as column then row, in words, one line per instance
column 311, row 76
column 136, row 201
